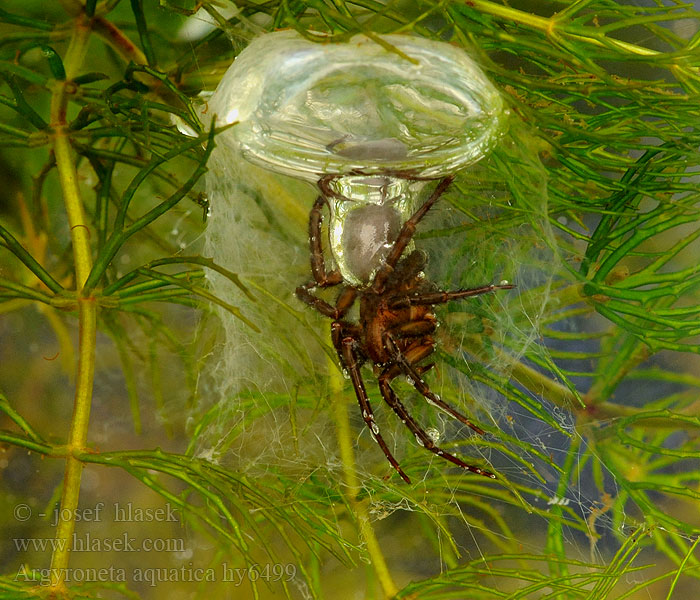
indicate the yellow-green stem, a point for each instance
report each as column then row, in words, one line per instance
column 79, row 232
column 550, row 26
column 77, row 440
column 65, row 165
column 347, row 457
column 87, row 307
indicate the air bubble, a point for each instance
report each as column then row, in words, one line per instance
column 420, row 441
column 432, row 130
column 375, row 428
column 433, row 434
column 283, row 92
column 365, row 414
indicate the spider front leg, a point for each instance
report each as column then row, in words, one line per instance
column 433, row 298
column 421, row 436
column 318, row 269
column 318, row 263
column 405, row 236
column 342, row 304
column 345, row 343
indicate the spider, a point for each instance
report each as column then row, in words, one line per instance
column 395, row 328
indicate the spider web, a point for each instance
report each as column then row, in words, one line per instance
column 269, row 391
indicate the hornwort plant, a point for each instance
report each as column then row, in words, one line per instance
column 589, row 204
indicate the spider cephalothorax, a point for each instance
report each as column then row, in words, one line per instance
column 395, row 329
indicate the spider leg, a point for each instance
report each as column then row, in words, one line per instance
column 417, row 381
column 345, row 347
column 318, row 263
column 343, row 329
column 322, row 278
column 433, row 298
column 421, row 436
column 424, row 368
column 419, row 328
column 405, row 235
column 342, row 305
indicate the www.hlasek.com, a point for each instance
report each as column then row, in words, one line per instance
column 153, row 576
column 90, row 543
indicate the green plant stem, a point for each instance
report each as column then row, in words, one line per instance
column 551, row 26
column 18, row 419
column 681, row 566
column 527, row 376
column 87, row 307
column 555, row 27
column 77, row 439
column 359, row 507
column 117, row 40
column 29, row 261
column 8, row 129
column 79, row 231
column 555, row 534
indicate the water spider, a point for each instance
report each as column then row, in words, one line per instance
column 395, row 328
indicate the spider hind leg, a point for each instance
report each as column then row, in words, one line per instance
column 421, row 436
column 406, row 364
column 344, row 343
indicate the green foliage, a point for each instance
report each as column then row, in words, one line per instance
column 590, row 206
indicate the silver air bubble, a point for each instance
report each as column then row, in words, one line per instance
column 378, row 123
